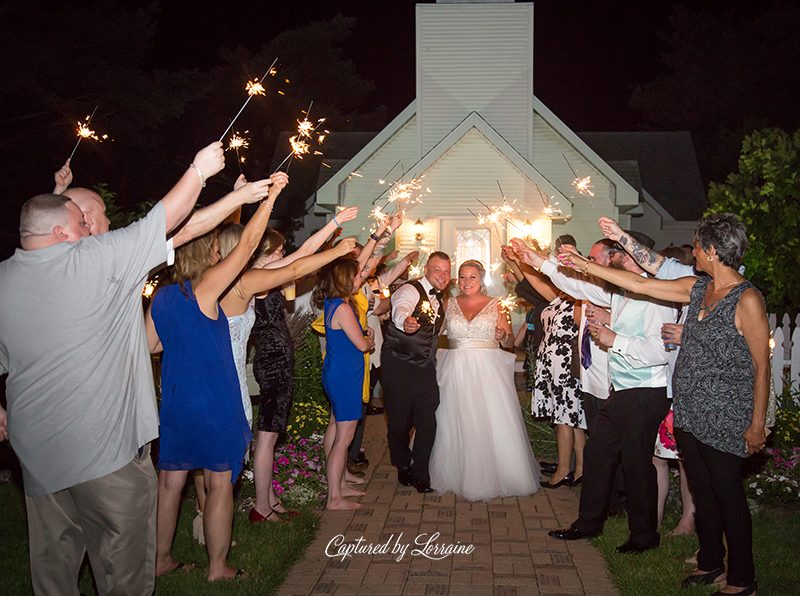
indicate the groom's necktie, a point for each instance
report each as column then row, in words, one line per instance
column 586, row 346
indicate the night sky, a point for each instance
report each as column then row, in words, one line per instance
column 587, row 54
column 62, row 58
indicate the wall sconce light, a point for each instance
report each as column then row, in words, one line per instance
column 419, row 230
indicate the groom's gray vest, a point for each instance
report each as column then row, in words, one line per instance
column 417, row 349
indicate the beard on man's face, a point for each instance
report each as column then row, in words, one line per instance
column 617, row 261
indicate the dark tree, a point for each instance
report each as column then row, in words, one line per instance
column 726, row 77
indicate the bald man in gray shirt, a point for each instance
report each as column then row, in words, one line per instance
column 81, row 403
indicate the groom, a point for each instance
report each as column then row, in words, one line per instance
column 408, row 373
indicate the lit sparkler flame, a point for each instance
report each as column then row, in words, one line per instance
column 255, row 87
column 583, row 185
column 149, row 288
column 495, row 267
column 84, row 132
column 427, row 309
column 414, row 271
column 507, row 304
column 378, row 215
column 406, row 194
column 299, row 147
column 238, row 142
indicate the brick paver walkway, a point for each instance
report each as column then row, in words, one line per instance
column 513, row 555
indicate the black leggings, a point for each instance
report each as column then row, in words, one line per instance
column 715, row 479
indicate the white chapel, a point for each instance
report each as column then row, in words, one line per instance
column 477, row 136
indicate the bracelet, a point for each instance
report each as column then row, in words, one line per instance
column 375, row 237
column 199, row 173
column 586, row 269
column 336, row 221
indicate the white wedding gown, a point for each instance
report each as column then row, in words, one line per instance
column 482, row 448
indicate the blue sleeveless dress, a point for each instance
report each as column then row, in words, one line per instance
column 342, row 369
column 203, row 424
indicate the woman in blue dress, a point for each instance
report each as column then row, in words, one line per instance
column 203, row 424
column 342, row 374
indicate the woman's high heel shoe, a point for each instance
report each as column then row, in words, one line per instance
column 576, row 481
column 256, row 518
column 705, row 578
column 565, row 481
column 748, row 591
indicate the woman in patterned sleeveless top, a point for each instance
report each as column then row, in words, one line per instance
column 720, row 391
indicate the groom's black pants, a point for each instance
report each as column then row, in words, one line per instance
column 411, row 396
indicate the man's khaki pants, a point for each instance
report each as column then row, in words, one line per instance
column 113, row 518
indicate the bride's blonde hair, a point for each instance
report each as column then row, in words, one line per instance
column 479, row 266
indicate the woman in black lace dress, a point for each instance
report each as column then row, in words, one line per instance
column 274, row 363
column 720, row 390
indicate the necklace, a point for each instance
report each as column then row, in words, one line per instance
column 707, row 308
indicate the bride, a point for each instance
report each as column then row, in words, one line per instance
column 482, row 448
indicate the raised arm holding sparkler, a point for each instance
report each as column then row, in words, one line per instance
column 63, row 178
column 373, row 251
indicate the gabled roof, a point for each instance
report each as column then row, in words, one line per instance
column 667, row 166
column 626, row 195
column 329, row 191
column 474, row 120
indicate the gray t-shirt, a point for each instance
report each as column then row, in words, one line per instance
column 80, row 389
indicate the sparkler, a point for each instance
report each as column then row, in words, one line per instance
column 254, row 87
column 414, row 271
column 507, row 304
column 404, row 195
column 84, row 132
column 237, row 142
column 301, row 142
column 378, row 215
column 582, row 185
column 426, row 309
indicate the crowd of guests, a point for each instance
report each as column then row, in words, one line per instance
column 610, row 350
column 76, row 346
column 674, row 364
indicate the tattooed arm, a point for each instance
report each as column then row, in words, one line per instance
column 647, row 258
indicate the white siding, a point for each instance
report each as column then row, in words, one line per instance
column 475, row 58
column 361, row 190
column 548, row 157
column 469, row 171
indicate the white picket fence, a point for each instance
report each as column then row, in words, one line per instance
column 785, row 353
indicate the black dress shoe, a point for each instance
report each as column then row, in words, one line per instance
column 704, row 578
column 423, row 487
column 635, row 548
column 571, row 533
column 748, row 591
column 373, row 410
column 548, row 467
column 565, row 481
column 361, row 459
column 404, row 476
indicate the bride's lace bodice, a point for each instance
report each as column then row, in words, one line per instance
column 482, row 327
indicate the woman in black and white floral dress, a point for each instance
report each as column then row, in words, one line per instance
column 555, row 389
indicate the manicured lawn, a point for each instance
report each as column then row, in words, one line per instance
column 776, row 537
column 266, row 551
